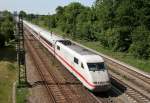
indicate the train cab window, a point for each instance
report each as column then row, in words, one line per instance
column 96, row 66
column 65, row 42
column 58, row 48
column 82, row 65
column 76, row 60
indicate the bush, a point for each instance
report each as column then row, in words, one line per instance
column 141, row 42
column 118, row 39
column 2, row 40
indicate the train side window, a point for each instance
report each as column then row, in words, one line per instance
column 76, row 60
column 50, row 44
column 82, row 65
column 58, row 47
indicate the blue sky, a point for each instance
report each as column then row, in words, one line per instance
column 38, row 6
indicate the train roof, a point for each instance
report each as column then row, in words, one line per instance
column 80, row 50
column 88, row 55
column 50, row 36
column 44, row 33
column 93, row 58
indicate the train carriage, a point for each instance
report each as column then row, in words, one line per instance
column 87, row 66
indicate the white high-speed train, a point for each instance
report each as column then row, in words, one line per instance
column 85, row 65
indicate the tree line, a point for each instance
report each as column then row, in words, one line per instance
column 6, row 27
column 120, row 25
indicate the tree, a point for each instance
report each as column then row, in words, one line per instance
column 125, row 15
column 7, row 29
column 7, row 15
column 23, row 14
column 52, row 21
column 105, row 12
column 71, row 13
column 140, row 47
column 59, row 10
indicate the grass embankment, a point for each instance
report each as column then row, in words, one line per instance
column 22, row 94
column 7, row 73
column 125, row 57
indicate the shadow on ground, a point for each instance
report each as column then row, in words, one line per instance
column 8, row 53
column 117, row 89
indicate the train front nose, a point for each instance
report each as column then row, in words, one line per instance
column 101, row 81
column 102, row 86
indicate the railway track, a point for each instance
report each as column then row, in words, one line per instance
column 132, row 72
column 132, row 75
column 33, row 57
column 59, row 91
column 44, row 76
column 130, row 92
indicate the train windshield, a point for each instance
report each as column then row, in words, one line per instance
column 96, row 66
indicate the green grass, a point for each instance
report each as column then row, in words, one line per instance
column 21, row 95
column 125, row 57
column 8, row 74
column 7, row 77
